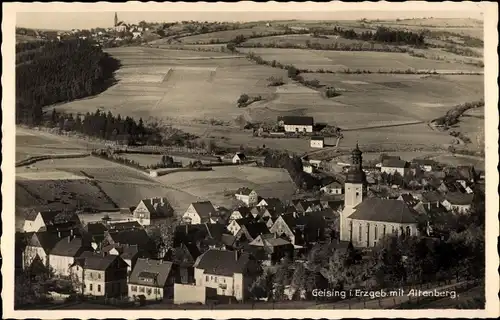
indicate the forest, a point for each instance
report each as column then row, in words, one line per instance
column 60, row 71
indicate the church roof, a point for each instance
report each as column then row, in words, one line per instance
column 384, row 210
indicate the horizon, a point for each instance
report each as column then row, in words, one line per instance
column 89, row 20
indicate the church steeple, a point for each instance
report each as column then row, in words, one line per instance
column 356, row 173
column 116, row 19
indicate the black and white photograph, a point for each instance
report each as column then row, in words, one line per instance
column 328, row 157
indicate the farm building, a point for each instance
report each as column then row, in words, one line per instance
column 333, row 188
column 247, row 196
column 317, row 142
column 425, row 164
column 296, row 123
column 391, row 166
column 239, row 157
column 200, row 212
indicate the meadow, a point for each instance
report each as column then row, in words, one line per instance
column 226, row 36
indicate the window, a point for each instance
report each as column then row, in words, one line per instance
column 408, row 231
column 375, row 232
column 98, row 288
column 360, row 231
column 215, row 279
column 133, row 288
column 206, row 278
column 384, row 230
column 98, row 276
column 357, row 194
column 141, row 289
column 91, row 287
column 393, row 229
column 149, row 291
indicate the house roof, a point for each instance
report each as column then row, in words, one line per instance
column 256, row 229
column 158, row 207
column 240, row 155
column 335, row 204
column 432, row 196
column 386, row 210
column 318, row 138
column 245, row 221
column 458, row 198
column 334, row 185
column 156, row 270
column 46, row 239
column 395, row 163
column 205, row 209
column 138, row 237
column 96, row 261
column 297, row 120
column 409, row 199
column 96, row 228
column 215, row 230
column 70, row 247
column 244, row 211
column 244, row 191
column 273, row 202
column 125, row 251
column 388, row 157
column 124, row 225
column 222, row 262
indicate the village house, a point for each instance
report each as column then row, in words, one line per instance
column 274, row 203
column 240, row 213
column 183, row 257
column 426, row 165
column 307, row 167
column 229, row 272
column 296, row 124
column 129, row 253
column 391, row 166
column 40, row 221
column 151, row 280
column 200, row 212
column 432, row 199
column 153, row 211
column 409, row 199
column 332, row 188
column 64, row 253
column 285, row 227
column 458, row 202
column 130, row 237
column 247, row 196
column 239, row 157
column 204, row 236
column 100, row 275
column 273, row 249
column 248, row 232
column 235, row 225
column 317, row 142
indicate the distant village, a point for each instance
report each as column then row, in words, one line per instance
column 213, row 252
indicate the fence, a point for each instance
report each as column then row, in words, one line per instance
column 34, row 159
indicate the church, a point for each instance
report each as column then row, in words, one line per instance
column 364, row 221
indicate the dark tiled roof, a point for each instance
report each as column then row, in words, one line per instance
column 96, row 261
column 244, row 211
column 215, row 230
column 125, row 251
column 386, row 210
column 244, row 191
column 222, row 262
column 256, row 229
column 205, row 209
column 158, row 207
column 388, row 157
column 458, row 198
column 156, row 270
column 334, row 185
column 124, row 225
column 70, row 247
column 241, row 155
column 273, row 202
column 409, row 199
column 297, row 120
column 131, row 237
column 318, row 138
column 335, row 204
column 96, row 228
column 395, row 163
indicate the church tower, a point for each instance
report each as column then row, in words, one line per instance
column 355, row 190
column 116, row 19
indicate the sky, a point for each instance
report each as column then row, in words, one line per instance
column 104, row 18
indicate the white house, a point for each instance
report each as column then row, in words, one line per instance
column 239, row 157
column 317, row 142
column 457, row 201
column 39, row 221
column 391, row 166
column 296, row 124
column 307, row 167
column 332, row 188
column 235, row 225
column 247, row 196
column 200, row 212
column 425, row 164
column 153, row 210
column 64, row 253
column 136, row 34
column 152, row 279
column 229, row 272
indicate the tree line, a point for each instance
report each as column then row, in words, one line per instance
column 61, row 72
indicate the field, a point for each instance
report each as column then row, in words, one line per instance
column 226, row 36
column 213, row 185
column 362, row 60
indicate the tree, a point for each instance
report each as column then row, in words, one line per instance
column 231, row 46
column 243, row 99
column 163, row 235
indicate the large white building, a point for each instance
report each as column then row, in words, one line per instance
column 296, row 124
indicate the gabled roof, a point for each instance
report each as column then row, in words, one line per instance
column 97, row 261
column 395, row 163
column 384, row 210
column 409, row 199
column 125, row 251
column 244, row 211
column 205, row 209
column 240, row 155
column 256, row 229
column 124, row 225
column 297, row 120
column 245, row 221
column 157, row 271
column 158, row 207
column 273, row 202
column 46, row 239
column 222, row 262
column 334, row 185
column 458, row 198
column 244, row 191
column 215, row 230
column 318, row 138
column 70, row 247
column 335, row 204
column 131, row 237
column 94, row 229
